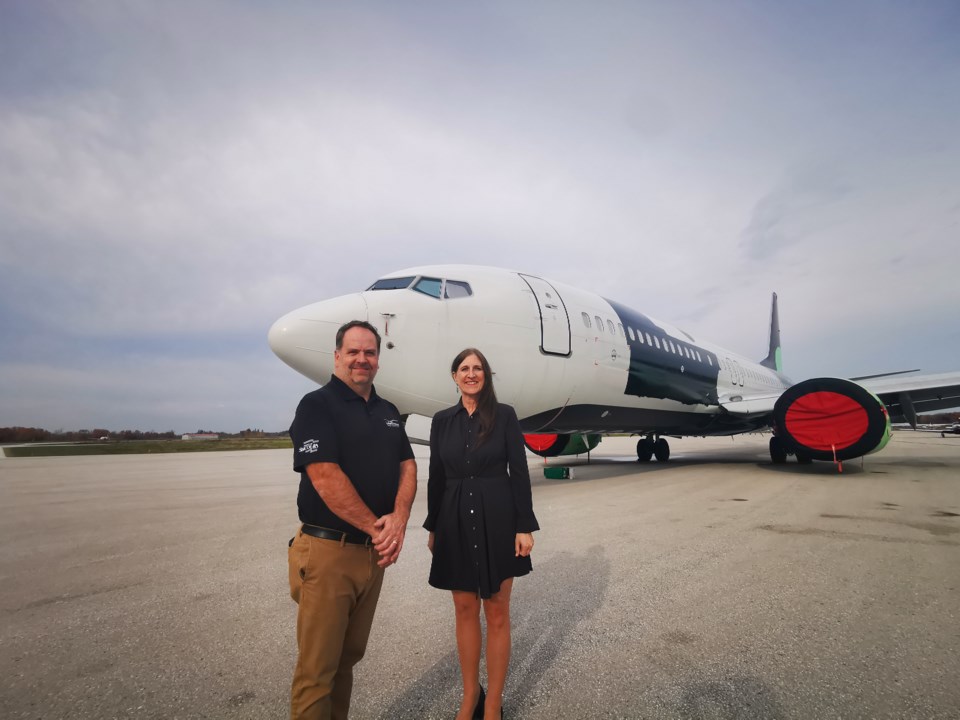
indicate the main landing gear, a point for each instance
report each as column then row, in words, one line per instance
column 778, row 453
column 649, row 448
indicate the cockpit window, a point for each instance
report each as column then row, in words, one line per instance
column 434, row 287
column 429, row 286
column 457, row 289
column 391, row 283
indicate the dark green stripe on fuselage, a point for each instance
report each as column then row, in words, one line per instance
column 661, row 373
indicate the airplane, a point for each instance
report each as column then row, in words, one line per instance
column 577, row 366
column 944, row 430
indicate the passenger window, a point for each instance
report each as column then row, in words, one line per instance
column 656, row 341
column 649, row 339
column 429, row 286
column 610, row 327
column 620, row 328
column 599, row 323
column 456, row 289
column 586, row 320
column 391, row 284
column 630, row 330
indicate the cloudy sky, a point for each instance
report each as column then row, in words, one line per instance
column 174, row 176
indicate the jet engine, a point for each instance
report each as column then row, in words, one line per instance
column 830, row 419
column 552, row 445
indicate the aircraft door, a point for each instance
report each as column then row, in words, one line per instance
column 554, row 321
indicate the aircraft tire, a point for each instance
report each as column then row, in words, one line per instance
column 661, row 450
column 778, row 453
column 644, row 450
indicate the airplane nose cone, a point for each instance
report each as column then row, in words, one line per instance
column 305, row 338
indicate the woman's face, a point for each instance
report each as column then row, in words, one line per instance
column 469, row 376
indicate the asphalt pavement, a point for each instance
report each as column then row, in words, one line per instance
column 715, row 586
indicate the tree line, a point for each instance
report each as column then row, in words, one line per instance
column 32, row 434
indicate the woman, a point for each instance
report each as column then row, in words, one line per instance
column 480, row 518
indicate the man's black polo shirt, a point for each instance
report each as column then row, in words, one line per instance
column 365, row 438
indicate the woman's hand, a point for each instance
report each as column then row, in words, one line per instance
column 430, row 543
column 523, row 544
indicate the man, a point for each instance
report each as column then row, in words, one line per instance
column 358, row 479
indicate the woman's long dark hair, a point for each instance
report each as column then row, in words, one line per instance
column 487, row 398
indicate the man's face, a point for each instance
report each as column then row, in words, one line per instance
column 356, row 362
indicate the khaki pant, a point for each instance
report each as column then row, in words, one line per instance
column 336, row 586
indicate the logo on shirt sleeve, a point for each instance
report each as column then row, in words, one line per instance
column 391, row 423
column 310, row 446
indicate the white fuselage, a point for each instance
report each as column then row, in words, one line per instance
column 551, row 361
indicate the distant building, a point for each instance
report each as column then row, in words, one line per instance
column 200, row 436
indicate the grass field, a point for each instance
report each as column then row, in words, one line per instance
column 131, row 447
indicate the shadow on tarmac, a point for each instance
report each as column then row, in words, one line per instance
column 539, row 635
column 734, row 698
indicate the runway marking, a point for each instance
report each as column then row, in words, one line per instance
column 534, row 649
column 70, row 597
column 932, row 528
column 839, row 534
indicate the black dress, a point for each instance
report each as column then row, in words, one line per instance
column 478, row 499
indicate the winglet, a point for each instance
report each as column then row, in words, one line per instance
column 773, row 359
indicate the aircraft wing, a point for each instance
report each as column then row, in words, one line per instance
column 906, row 397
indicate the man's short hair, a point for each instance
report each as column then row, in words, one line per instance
column 360, row 324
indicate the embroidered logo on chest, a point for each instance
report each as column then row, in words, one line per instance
column 393, row 423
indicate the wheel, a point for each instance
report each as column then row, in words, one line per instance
column 644, row 450
column 661, row 450
column 778, row 453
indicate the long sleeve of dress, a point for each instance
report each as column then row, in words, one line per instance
column 437, row 479
column 519, row 473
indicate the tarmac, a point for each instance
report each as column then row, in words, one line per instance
column 715, row 586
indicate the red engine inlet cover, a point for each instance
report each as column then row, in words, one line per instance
column 826, row 420
column 540, row 443
column 830, row 419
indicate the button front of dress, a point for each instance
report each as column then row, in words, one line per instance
column 471, row 497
